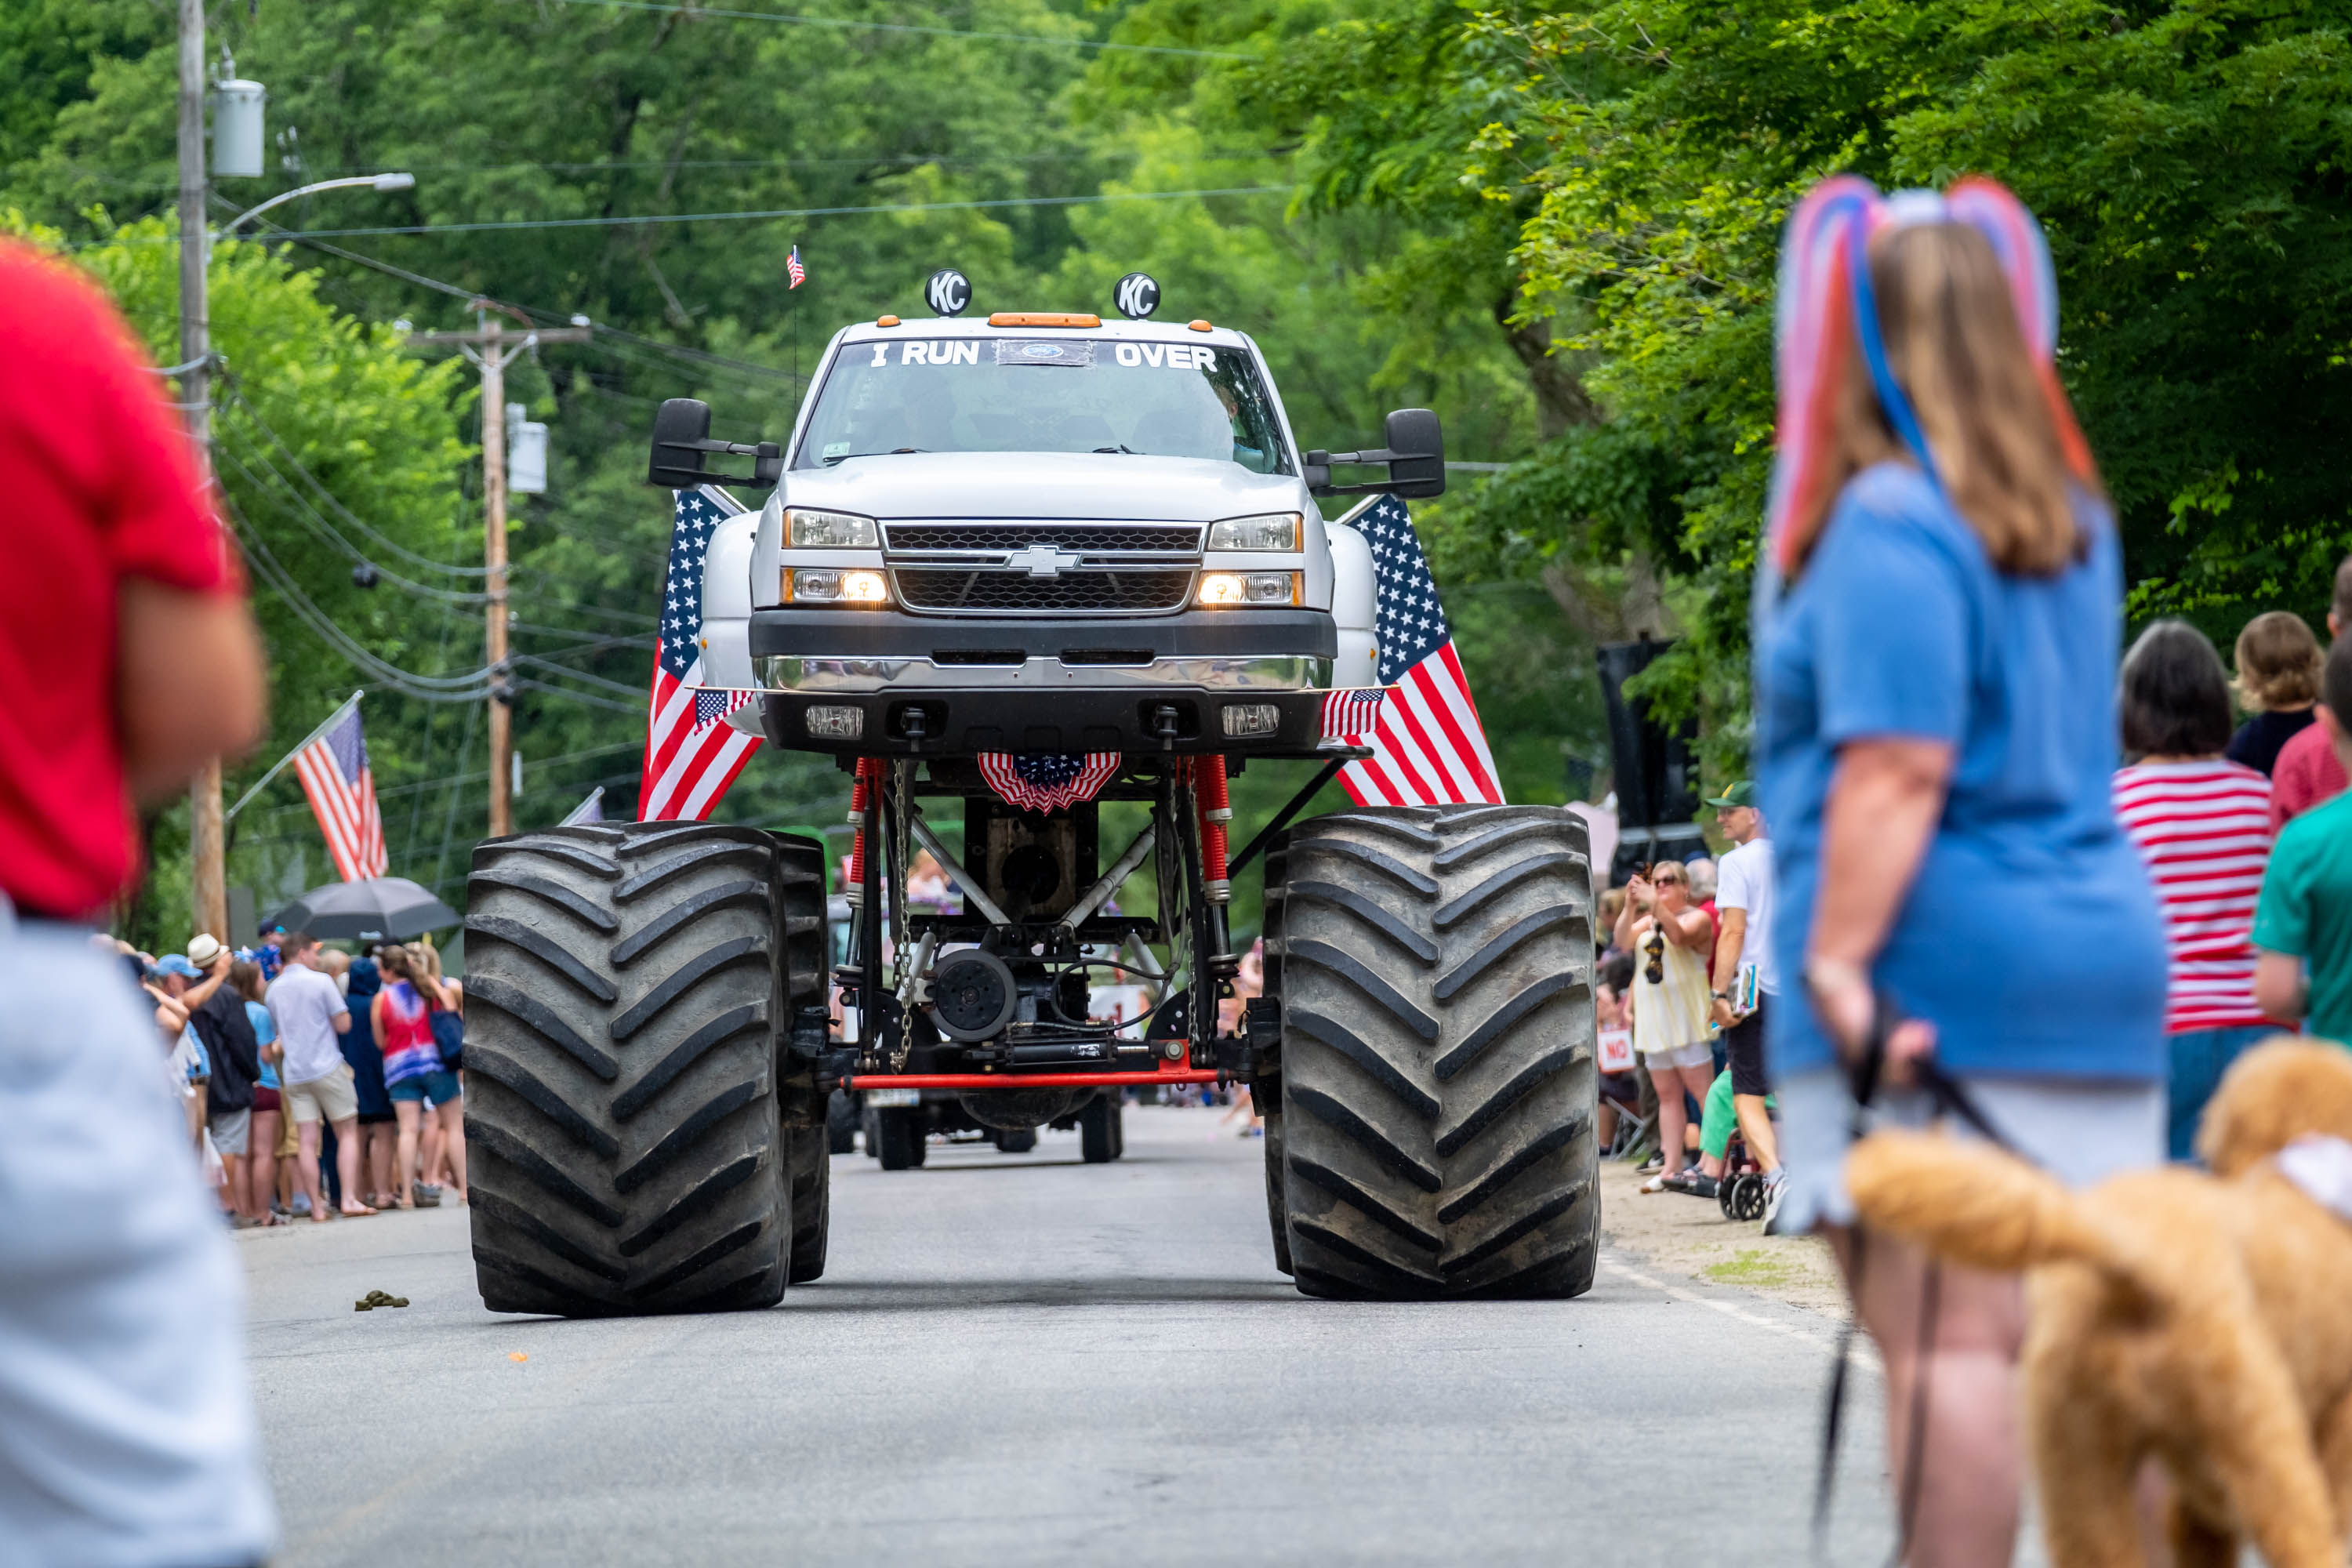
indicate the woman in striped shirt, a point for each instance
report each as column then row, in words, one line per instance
column 2201, row 822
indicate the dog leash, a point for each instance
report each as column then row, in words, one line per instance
column 1950, row 1097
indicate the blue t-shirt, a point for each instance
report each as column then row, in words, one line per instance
column 265, row 1032
column 2030, row 938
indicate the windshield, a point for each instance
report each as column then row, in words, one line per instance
column 1035, row 394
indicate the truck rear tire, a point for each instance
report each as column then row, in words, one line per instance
column 892, row 1136
column 1100, row 1134
column 811, row 1207
column 1278, row 1201
column 841, row 1124
column 1437, row 1054
column 627, row 984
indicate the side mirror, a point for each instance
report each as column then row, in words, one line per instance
column 682, row 436
column 1417, row 454
column 1414, row 457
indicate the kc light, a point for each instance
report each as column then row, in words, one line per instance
column 828, row 530
column 1224, row 590
column 1275, row 531
column 830, row 585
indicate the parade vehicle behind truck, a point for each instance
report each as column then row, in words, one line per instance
column 1008, row 569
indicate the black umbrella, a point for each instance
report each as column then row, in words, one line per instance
column 380, row 907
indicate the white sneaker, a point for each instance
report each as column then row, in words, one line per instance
column 1776, row 1186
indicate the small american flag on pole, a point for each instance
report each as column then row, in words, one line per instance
column 1429, row 747
column 333, row 767
column 1351, row 713
column 794, row 269
column 692, row 754
column 1047, row 781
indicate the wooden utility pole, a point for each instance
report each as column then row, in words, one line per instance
column 487, row 346
column 207, row 841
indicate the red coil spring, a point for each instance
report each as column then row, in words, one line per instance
column 1216, row 810
column 864, row 793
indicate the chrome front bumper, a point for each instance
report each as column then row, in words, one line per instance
column 801, row 674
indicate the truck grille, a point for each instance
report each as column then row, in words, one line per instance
column 1131, row 591
column 1009, row 568
column 1151, row 537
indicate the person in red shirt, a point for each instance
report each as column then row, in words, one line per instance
column 2307, row 771
column 128, row 659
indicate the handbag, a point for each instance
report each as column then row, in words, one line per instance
column 450, row 1035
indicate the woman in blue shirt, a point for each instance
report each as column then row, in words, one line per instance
column 1937, row 636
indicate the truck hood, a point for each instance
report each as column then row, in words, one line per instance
column 1044, row 485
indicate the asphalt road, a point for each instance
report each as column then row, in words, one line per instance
column 1022, row 1359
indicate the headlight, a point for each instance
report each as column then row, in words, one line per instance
column 828, row 530
column 1222, row 590
column 1277, row 530
column 832, row 586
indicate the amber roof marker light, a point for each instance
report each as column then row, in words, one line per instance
column 1043, row 319
column 1200, row 326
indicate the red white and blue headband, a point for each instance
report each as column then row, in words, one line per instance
column 1826, row 312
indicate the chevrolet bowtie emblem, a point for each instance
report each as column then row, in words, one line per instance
column 1042, row 561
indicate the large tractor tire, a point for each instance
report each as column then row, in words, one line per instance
column 1437, row 1054
column 626, row 988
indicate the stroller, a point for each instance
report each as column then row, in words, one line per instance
column 1741, row 1190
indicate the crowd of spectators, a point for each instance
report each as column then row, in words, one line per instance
column 2242, row 823
column 315, row 1082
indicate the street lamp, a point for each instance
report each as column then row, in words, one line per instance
column 392, row 182
column 207, row 834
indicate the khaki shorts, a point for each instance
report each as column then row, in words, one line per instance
column 333, row 1098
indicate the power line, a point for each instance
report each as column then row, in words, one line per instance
column 693, row 12
column 470, row 687
column 237, row 395
column 320, row 526
column 624, row 221
column 455, row 291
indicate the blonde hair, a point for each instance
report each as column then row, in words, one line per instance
column 2278, row 661
column 1995, row 419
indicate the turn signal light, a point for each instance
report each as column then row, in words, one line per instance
column 830, row 585
column 1224, row 590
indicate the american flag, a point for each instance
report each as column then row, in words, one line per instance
column 333, row 768
column 1429, row 747
column 1352, row 712
column 1047, row 781
column 691, row 754
column 793, row 269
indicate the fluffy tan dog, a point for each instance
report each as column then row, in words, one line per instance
column 2205, row 1321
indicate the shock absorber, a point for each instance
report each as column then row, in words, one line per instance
column 1216, row 811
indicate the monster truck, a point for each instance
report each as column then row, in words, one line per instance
column 1013, row 568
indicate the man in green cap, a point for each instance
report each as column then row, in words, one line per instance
column 1743, row 975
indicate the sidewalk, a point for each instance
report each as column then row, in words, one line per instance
column 1689, row 1237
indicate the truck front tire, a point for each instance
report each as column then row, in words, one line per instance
column 627, row 984
column 1438, row 1076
